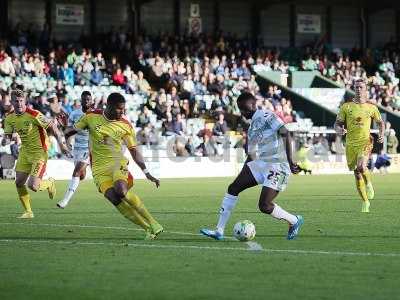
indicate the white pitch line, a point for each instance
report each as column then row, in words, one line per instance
column 253, row 246
column 288, row 251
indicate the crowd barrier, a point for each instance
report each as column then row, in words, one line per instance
column 210, row 167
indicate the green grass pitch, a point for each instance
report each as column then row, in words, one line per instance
column 89, row 251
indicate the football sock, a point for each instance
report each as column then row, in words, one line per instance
column 361, row 189
column 281, row 214
column 73, row 185
column 131, row 214
column 24, row 198
column 227, row 205
column 138, row 205
column 44, row 185
column 367, row 176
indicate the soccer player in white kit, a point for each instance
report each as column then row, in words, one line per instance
column 81, row 149
column 269, row 164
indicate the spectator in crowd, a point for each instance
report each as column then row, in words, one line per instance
column 118, row 77
column 392, row 142
column 191, row 76
column 220, row 127
column 5, row 147
column 207, row 147
column 96, row 76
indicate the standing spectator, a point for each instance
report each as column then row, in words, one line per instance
column 392, row 142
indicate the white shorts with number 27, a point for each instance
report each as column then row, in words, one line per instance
column 272, row 175
column 81, row 156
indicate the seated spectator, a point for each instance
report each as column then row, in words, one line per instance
column 99, row 61
column 113, row 66
column 66, row 74
column 5, row 147
column 179, row 147
column 6, row 66
column 189, row 146
column 178, row 125
column 143, row 118
column 96, row 76
column 168, row 126
column 142, row 83
column 118, row 78
column 220, row 127
column 147, row 135
column 207, row 147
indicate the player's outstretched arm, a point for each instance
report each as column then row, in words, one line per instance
column 60, row 138
column 70, row 131
column 287, row 137
column 138, row 158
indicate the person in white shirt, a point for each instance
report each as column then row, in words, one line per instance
column 269, row 164
column 81, row 149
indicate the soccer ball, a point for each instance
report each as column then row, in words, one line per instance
column 244, row 231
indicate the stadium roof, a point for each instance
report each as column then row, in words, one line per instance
column 368, row 4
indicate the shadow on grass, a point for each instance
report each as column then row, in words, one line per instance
column 119, row 241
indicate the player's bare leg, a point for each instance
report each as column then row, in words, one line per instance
column 361, row 185
column 23, row 195
column 243, row 181
column 78, row 175
column 363, row 169
column 266, row 205
column 121, row 188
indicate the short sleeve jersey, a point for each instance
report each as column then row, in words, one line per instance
column 357, row 118
column 31, row 127
column 264, row 141
column 106, row 138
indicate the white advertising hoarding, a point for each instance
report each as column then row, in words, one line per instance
column 308, row 23
column 70, row 14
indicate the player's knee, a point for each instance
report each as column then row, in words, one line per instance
column 19, row 183
column 233, row 190
column 265, row 208
column 120, row 191
column 111, row 196
column 33, row 186
column 82, row 175
column 360, row 169
column 357, row 174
